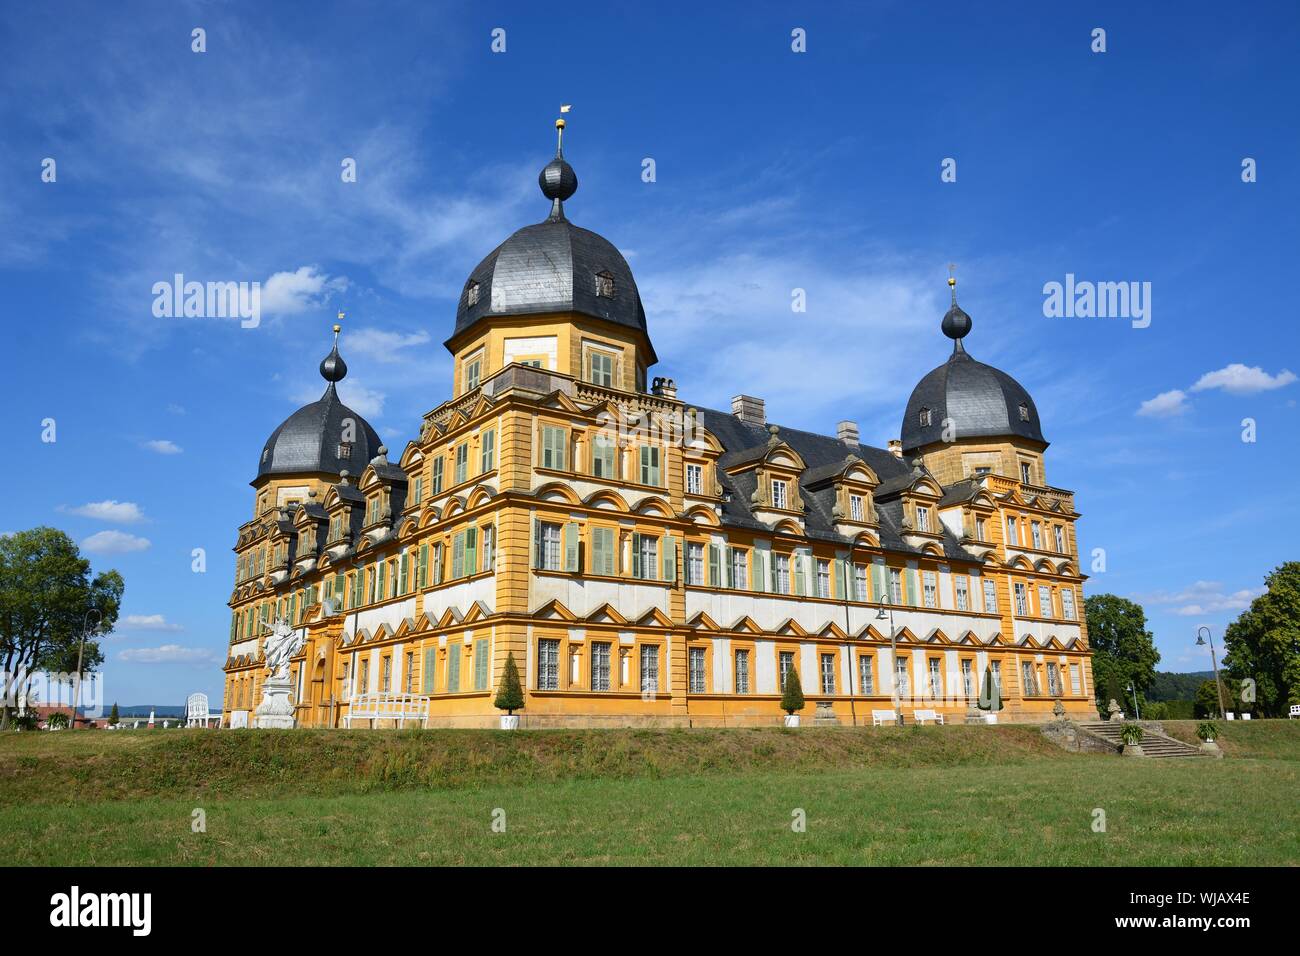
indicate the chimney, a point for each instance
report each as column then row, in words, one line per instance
column 664, row 388
column 896, row 447
column 749, row 409
column 847, row 432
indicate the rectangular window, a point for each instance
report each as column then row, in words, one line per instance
column 694, row 479
column 645, row 556
column 936, row 679
column 786, row 663
column 895, row 586
column 781, row 580
column 438, row 564
column 548, row 546
column 1013, row 537
column 650, row 465
column 488, row 534
column 931, row 589
column 1060, row 538
column 1044, row 601
column 1036, row 534
column 601, row 369
column 649, row 669
column 600, row 666
column 1076, row 686
column 961, row 591
column 778, row 493
column 967, row 678
column 386, row 675
column 1022, row 600
column 603, row 456
column 408, row 679
column 990, row 596
column 695, row 670
column 435, row 484
column 860, row 583
column 866, row 680
column 742, row 672
column 1025, row 474
column 855, row 507
column 900, row 676
column 488, row 451
column 922, row 519
column 548, row 665
column 1067, row 603
column 602, row 551
column 823, row 579
column 979, row 530
column 555, row 441
column 1053, row 680
column 828, row 673
column 462, row 463
column 695, row 564
column 739, row 569
column 1029, row 679
column 454, row 652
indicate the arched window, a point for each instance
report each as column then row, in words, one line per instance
column 925, row 418
column 604, row 284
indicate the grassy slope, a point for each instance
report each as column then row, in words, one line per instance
column 934, row 795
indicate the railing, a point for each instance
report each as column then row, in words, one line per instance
column 399, row 707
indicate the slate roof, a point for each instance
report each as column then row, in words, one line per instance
column 819, row 453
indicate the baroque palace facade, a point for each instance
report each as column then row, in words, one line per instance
column 647, row 561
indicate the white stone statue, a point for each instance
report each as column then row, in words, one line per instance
column 283, row 643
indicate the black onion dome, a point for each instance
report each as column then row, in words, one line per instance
column 553, row 266
column 312, row 439
column 980, row 400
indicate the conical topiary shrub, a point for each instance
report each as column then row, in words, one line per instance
column 990, row 697
column 510, row 695
column 792, row 696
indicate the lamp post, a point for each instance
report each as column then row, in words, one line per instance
column 1137, row 714
column 76, row 677
column 893, row 656
column 1218, row 686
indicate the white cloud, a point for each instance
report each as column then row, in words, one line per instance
column 1238, row 379
column 1202, row 598
column 381, row 345
column 149, row 622
column 1165, row 405
column 114, row 542
column 163, row 446
column 288, row 293
column 168, row 654
column 122, row 512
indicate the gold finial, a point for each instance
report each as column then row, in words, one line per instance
column 952, row 281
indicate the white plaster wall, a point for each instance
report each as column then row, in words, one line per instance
column 584, row 596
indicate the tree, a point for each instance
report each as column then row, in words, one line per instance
column 46, row 589
column 1206, row 703
column 510, row 695
column 792, row 696
column 1123, row 650
column 113, row 718
column 1263, row 646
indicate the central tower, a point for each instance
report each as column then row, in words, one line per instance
column 553, row 296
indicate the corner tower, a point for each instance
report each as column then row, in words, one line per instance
column 553, row 296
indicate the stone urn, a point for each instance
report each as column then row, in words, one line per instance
column 1133, row 750
column 509, row 721
column 792, row 720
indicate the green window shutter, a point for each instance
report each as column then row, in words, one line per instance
column 437, row 475
column 842, row 579
column 454, row 652
column 599, row 550
column 471, row 551
column 670, row 558
column 403, row 576
column 419, row 489
column 913, row 587
column 879, row 586
column 796, row 571
column 430, row 668
column 457, row 555
column 715, row 571
column 481, row 664
column 424, row 566
column 636, row 555
column 572, row 547
column 537, row 543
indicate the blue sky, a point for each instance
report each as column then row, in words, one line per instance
column 775, row 170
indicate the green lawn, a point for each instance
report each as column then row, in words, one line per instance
column 962, row 796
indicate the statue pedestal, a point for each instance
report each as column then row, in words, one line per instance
column 275, row 712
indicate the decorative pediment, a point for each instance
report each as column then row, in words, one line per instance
column 553, row 610
column 605, row 614
column 654, row 617
column 702, row 622
column 745, row 624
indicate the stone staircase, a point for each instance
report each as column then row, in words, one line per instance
column 1154, row 742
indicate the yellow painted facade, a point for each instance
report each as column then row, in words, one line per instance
column 555, row 509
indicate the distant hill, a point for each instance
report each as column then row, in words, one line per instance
column 1168, row 686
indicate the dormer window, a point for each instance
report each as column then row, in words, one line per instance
column 471, row 294
column 925, row 418
column 1024, row 412
column 345, row 450
column 605, row 284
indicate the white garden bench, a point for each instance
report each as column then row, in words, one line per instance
column 881, row 718
column 1294, row 713
column 398, row 707
column 922, row 716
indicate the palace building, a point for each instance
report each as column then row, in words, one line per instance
column 647, row 561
